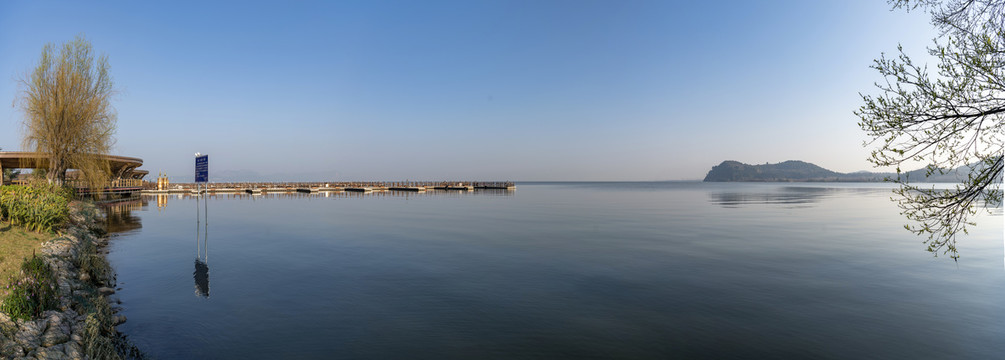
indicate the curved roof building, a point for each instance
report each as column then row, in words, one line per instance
column 122, row 167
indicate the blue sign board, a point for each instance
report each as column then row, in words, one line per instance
column 202, row 169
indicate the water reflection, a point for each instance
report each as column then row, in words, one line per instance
column 494, row 192
column 201, row 278
column 201, row 274
column 663, row 272
column 119, row 214
column 162, row 199
column 792, row 196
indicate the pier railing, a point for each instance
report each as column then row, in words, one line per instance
column 112, row 184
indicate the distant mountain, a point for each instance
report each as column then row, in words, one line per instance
column 791, row 170
column 794, row 170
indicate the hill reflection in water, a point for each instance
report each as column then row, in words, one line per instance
column 807, row 194
column 790, row 196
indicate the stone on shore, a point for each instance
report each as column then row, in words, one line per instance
column 15, row 352
column 29, row 333
column 54, row 336
column 73, row 351
column 52, row 353
column 59, row 334
column 10, row 348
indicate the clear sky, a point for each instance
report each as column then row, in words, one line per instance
column 479, row 90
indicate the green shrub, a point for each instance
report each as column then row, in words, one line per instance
column 36, row 208
column 30, row 292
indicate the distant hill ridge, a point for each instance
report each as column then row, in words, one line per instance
column 794, row 170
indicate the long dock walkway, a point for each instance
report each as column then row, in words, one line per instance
column 315, row 187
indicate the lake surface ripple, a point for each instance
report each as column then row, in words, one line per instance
column 555, row 270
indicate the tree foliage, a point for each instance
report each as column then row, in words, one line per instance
column 948, row 118
column 68, row 115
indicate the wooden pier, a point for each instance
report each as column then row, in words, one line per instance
column 455, row 187
column 407, row 188
column 317, row 187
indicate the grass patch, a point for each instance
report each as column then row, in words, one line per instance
column 31, row 291
column 16, row 244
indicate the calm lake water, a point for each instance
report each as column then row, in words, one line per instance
column 563, row 270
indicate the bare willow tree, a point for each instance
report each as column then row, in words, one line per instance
column 68, row 117
column 949, row 119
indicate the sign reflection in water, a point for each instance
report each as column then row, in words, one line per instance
column 201, row 273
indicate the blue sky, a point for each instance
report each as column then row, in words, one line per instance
column 480, row 90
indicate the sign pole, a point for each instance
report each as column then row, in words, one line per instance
column 201, row 177
column 202, row 247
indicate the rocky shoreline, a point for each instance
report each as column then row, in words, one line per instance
column 83, row 327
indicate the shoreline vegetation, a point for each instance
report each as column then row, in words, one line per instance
column 56, row 303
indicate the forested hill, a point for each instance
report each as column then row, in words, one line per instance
column 794, row 170
column 786, row 171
